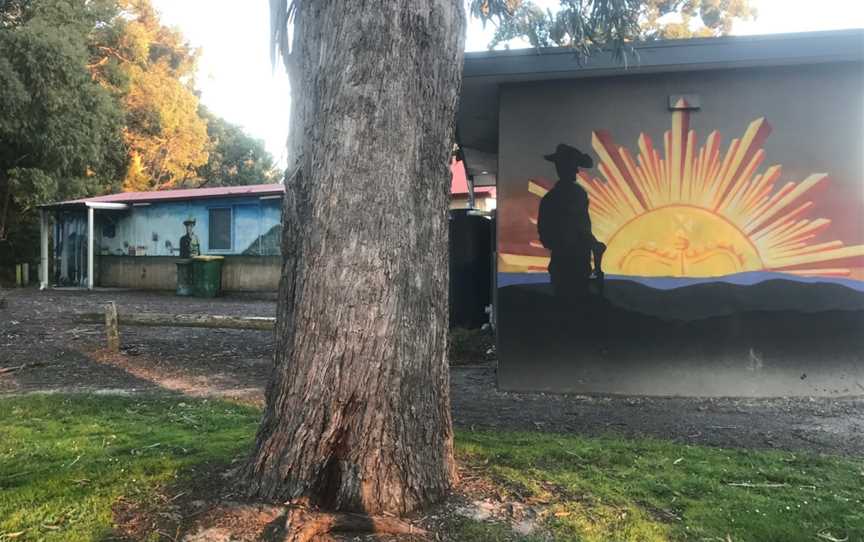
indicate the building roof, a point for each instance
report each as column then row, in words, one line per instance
column 459, row 182
column 484, row 72
column 252, row 190
column 458, row 187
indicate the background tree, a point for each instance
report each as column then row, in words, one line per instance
column 98, row 96
column 695, row 18
column 60, row 132
column 150, row 68
column 358, row 415
column 234, row 157
column 657, row 19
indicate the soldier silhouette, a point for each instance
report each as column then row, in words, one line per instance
column 189, row 245
column 565, row 227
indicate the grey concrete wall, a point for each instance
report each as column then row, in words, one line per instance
column 239, row 273
column 761, row 333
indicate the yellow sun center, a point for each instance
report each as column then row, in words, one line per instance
column 680, row 241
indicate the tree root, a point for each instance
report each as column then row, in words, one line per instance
column 304, row 525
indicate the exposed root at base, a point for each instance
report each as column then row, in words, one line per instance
column 304, row 525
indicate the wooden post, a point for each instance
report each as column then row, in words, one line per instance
column 43, row 265
column 260, row 323
column 91, row 264
column 112, row 329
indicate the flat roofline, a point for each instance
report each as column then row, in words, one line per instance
column 486, row 72
column 670, row 55
column 685, row 42
column 173, row 196
column 131, row 203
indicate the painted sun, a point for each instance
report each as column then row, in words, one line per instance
column 697, row 212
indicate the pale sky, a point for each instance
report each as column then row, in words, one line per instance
column 236, row 80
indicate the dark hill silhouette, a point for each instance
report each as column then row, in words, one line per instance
column 715, row 299
column 772, row 338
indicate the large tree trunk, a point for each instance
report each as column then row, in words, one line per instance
column 358, row 410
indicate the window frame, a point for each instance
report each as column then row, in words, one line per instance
column 210, row 229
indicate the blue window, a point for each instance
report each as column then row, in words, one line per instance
column 220, row 228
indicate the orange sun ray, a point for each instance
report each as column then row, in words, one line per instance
column 688, row 211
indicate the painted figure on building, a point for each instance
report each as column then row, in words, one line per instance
column 564, row 227
column 189, row 245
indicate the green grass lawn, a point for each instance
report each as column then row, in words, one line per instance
column 65, row 460
column 600, row 489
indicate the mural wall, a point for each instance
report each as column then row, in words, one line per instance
column 710, row 241
column 227, row 226
column 247, row 226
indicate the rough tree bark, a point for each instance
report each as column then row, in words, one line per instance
column 358, row 411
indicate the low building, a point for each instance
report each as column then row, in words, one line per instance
column 138, row 237
column 134, row 239
column 465, row 195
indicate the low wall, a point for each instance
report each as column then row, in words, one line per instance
column 239, row 273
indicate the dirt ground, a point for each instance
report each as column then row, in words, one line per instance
column 48, row 349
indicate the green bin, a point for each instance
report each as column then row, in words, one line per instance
column 184, row 278
column 207, row 276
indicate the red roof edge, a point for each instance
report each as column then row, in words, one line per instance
column 180, row 194
column 458, row 188
column 459, row 182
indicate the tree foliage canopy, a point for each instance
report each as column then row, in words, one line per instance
column 150, row 68
column 575, row 24
column 235, row 157
column 98, row 96
column 60, row 131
